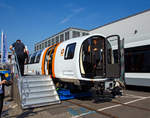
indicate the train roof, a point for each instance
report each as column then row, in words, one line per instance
column 81, row 39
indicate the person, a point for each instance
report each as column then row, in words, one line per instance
column 95, row 53
column 26, row 55
column 96, row 49
column 2, row 82
column 20, row 51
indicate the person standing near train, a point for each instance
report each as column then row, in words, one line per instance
column 2, row 82
column 20, row 51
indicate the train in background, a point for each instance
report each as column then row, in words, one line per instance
column 85, row 62
column 137, row 64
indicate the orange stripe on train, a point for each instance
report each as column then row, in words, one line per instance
column 53, row 61
column 43, row 60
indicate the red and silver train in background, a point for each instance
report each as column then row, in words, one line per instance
column 86, row 62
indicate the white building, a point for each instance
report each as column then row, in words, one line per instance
column 137, row 25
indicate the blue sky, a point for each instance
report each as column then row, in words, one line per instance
column 35, row 20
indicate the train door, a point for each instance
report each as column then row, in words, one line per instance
column 92, row 57
column 113, row 56
column 49, row 64
column 48, row 60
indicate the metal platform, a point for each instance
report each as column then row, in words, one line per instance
column 38, row 91
column 34, row 90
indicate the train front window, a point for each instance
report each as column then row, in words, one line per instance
column 92, row 57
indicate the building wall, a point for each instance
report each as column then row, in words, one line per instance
column 128, row 28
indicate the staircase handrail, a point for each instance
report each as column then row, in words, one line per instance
column 20, row 78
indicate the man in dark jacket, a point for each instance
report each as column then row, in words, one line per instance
column 20, row 52
column 2, row 82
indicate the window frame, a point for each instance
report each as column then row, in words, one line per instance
column 134, row 55
column 38, row 56
column 66, row 57
column 32, row 58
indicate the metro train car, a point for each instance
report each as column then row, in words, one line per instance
column 84, row 61
column 137, row 64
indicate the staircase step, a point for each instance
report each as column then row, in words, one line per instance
column 38, row 91
column 36, row 78
column 41, row 100
column 41, row 94
column 43, row 103
column 31, row 85
column 41, row 89
column 34, row 83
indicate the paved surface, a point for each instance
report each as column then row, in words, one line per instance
column 133, row 104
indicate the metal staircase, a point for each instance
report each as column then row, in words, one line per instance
column 38, row 91
column 34, row 90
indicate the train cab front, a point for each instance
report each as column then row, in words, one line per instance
column 92, row 57
column 100, row 61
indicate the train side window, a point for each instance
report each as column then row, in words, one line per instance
column 33, row 58
column 37, row 59
column 137, row 59
column 29, row 58
column 70, row 49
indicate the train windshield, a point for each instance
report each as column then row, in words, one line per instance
column 92, row 57
column 97, row 58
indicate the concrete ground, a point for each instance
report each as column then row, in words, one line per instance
column 133, row 104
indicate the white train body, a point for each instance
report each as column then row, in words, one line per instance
column 34, row 67
column 69, row 69
column 74, row 62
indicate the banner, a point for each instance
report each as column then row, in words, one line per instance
column 4, row 51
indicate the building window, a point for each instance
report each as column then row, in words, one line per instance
column 75, row 34
column 57, row 39
column 66, row 35
column 37, row 47
column 53, row 41
column 70, row 49
column 84, row 34
column 45, row 44
column 61, row 37
column 49, row 42
column 42, row 45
